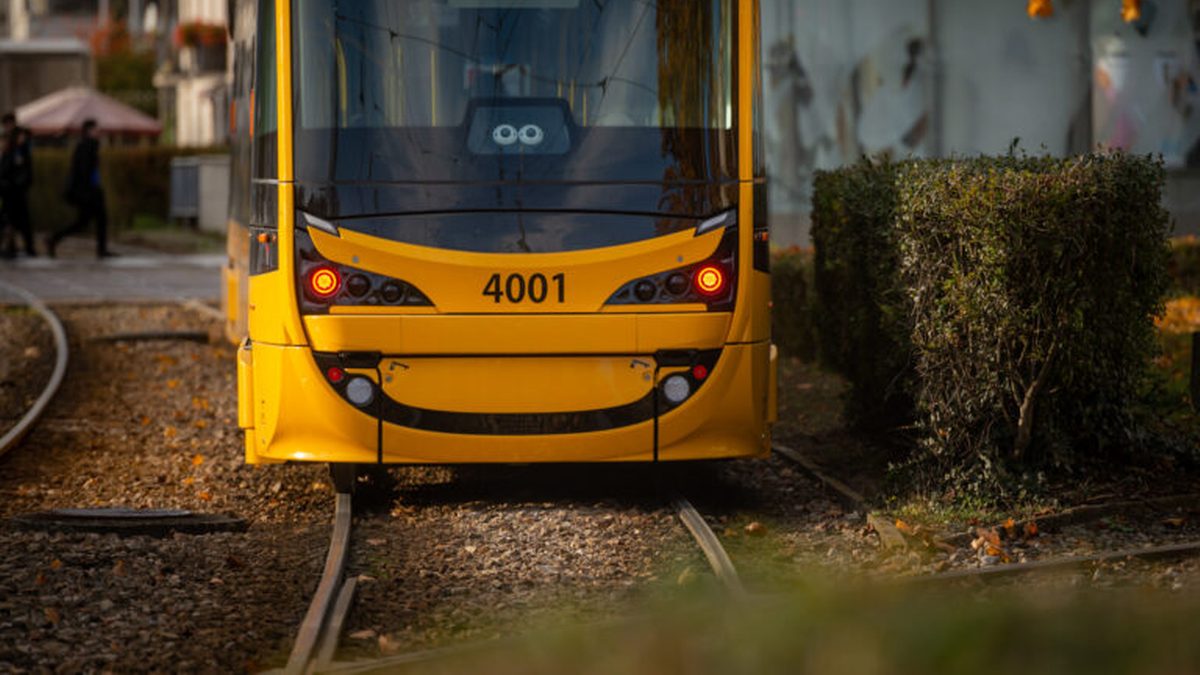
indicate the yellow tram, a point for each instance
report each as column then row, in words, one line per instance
column 499, row 231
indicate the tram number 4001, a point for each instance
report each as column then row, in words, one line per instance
column 516, row 288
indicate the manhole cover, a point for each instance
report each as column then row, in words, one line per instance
column 152, row 522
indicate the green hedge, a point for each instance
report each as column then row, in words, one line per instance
column 1033, row 284
column 137, row 182
column 792, row 327
column 1012, row 298
column 860, row 313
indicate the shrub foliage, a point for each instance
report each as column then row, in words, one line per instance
column 1012, row 297
column 137, row 181
column 860, row 311
column 792, row 313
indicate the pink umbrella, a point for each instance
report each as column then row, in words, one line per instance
column 65, row 110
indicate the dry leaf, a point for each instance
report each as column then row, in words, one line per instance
column 41, row 579
column 1031, row 530
column 1010, row 528
column 904, row 527
column 205, row 496
column 56, row 564
column 365, row 634
column 170, row 432
column 171, row 384
column 189, row 480
column 200, row 403
column 119, row 568
column 52, row 616
column 200, row 424
column 989, row 536
column 1177, row 521
column 388, row 645
column 197, row 460
column 145, row 421
column 756, row 528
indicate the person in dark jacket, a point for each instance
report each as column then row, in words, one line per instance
column 84, row 192
column 16, row 175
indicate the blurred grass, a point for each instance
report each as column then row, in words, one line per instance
column 873, row 630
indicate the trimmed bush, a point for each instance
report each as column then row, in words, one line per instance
column 1032, row 285
column 860, row 311
column 137, row 181
column 1010, row 300
column 791, row 314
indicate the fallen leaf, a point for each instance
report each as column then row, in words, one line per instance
column 170, row 432
column 41, row 579
column 200, row 424
column 52, row 616
column 1031, row 530
column 756, row 528
column 687, row 577
column 388, row 645
column 119, row 568
column 171, row 384
column 145, row 421
column 56, row 564
column 377, row 542
column 1177, row 521
column 189, row 480
column 365, row 634
column 200, row 403
column 904, row 527
column 1010, row 528
column 205, row 496
column 197, row 460
column 989, row 536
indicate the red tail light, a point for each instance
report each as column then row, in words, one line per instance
column 324, row 282
column 710, row 280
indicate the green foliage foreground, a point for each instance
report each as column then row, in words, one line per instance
column 1003, row 304
column 871, row 631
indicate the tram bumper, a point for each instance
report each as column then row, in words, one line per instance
column 521, row 408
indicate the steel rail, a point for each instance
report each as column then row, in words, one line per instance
column 322, row 616
column 848, row 495
column 35, row 412
column 711, row 546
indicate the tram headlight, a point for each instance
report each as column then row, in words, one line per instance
column 676, row 389
column 360, row 391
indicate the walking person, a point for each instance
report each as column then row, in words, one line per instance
column 16, row 175
column 85, row 193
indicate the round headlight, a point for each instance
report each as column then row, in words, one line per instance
column 676, row 389
column 360, row 391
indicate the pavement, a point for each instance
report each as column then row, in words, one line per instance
column 136, row 274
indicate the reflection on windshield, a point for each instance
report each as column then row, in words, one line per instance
column 420, row 63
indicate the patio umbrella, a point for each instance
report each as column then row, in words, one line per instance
column 64, row 111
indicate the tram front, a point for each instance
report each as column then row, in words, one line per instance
column 508, row 231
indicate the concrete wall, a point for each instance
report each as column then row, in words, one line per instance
column 964, row 77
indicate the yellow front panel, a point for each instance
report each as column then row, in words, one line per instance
column 517, row 385
column 527, row 334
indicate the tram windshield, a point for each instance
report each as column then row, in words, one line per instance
column 514, row 90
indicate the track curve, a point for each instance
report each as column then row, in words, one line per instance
column 14, row 435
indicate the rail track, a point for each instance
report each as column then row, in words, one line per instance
column 317, row 639
column 14, row 435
